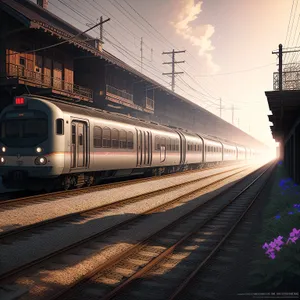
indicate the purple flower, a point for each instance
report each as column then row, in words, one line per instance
column 265, row 246
column 277, row 217
column 291, row 213
column 295, row 233
column 278, row 241
column 270, row 251
column 294, row 239
column 272, row 255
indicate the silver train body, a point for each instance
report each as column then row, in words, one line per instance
column 46, row 144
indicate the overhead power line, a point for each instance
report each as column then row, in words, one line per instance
column 204, row 96
column 235, row 72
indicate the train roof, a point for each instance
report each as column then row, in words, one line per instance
column 99, row 113
column 87, row 111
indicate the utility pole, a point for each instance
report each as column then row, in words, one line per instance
column 141, row 54
column 232, row 108
column 220, row 107
column 173, row 62
column 101, row 30
column 280, row 52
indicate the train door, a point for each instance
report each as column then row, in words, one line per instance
column 150, row 148
column 147, row 148
column 79, row 145
column 182, row 148
column 139, row 147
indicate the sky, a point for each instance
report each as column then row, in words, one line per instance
column 228, row 45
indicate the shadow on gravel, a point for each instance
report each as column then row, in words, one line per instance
column 160, row 282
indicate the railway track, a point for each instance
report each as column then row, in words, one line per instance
column 14, row 274
column 7, row 203
column 163, row 266
column 89, row 212
column 21, row 233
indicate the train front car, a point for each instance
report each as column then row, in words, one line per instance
column 32, row 143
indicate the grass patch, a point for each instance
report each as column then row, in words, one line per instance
column 279, row 218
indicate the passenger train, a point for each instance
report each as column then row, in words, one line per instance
column 51, row 144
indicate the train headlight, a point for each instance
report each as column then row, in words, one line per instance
column 3, row 149
column 39, row 149
column 40, row 161
column 2, row 160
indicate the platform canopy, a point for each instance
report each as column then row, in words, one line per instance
column 285, row 107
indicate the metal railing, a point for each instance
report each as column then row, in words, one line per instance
column 112, row 90
column 290, row 80
column 149, row 103
column 45, row 81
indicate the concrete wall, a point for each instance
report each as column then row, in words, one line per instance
column 292, row 152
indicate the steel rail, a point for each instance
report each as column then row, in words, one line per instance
column 168, row 251
column 62, row 294
column 69, row 193
column 185, row 283
column 106, row 231
column 99, row 208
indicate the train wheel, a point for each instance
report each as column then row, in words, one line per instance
column 67, row 183
column 89, row 180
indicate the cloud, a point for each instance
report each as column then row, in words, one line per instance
column 197, row 35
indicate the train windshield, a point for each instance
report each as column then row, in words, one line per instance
column 27, row 132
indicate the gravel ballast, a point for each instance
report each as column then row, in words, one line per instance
column 46, row 241
column 113, row 245
column 33, row 213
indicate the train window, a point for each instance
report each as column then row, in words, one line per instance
column 195, row 147
column 177, row 145
column 115, row 138
column 60, row 126
column 168, row 144
column 80, row 139
column 130, row 140
column 106, row 138
column 73, row 134
column 172, row 145
column 123, row 139
column 157, row 143
column 163, row 142
column 97, row 137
